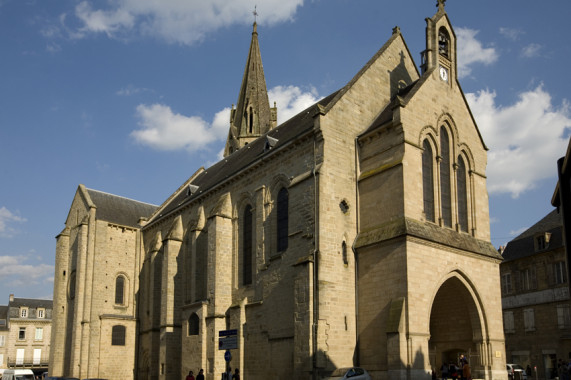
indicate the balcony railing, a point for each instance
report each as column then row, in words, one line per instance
column 27, row 363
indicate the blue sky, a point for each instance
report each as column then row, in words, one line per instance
column 132, row 96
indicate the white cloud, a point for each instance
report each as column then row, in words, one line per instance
column 511, row 33
column 16, row 271
column 130, row 90
column 162, row 129
column 6, row 218
column 291, row 100
column 471, row 51
column 531, row 50
column 525, row 139
column 176, row 21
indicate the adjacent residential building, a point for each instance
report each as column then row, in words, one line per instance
column 25, row 333
column 357, row 232
column 3, row 334
column 535, row 297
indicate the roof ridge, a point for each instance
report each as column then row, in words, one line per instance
column 119, row 196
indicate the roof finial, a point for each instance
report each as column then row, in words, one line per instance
column 440, row 4
column 255, row 13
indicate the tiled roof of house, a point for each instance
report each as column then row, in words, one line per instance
column 524, row 245
column 31, row 303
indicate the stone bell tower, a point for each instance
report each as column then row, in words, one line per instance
column 440, row 53
column 252, row 116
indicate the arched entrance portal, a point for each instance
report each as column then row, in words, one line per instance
column 455, row 327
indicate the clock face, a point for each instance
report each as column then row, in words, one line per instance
column 443, row 74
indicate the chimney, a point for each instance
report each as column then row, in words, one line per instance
column 11, row 298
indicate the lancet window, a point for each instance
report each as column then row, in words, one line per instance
column 428, row 180
column 445, row 183
column 282, row 219
column 120, row 290
column 247, row 239
column 462, row 196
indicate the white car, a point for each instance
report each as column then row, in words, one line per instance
column 516, row 372
column 353, row 373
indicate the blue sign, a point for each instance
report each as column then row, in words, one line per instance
column 227, row 356
column 228, row 342
column 227, row 332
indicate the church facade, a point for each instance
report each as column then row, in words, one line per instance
column 355, row 233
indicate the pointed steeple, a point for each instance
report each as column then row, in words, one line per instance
column 252, row 116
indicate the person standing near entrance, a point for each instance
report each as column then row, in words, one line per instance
column 444, row 371
column 466, row 372
column 200, row 375
column 190, row 376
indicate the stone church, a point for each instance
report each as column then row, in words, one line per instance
column 355, row 233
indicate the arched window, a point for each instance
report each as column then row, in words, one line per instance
column 120, row 290
column 443, row 42
column 247, row 232
column 193, row 324
column 251, row 119
column 344, row 253
column 428, row 181
column 118, row 335
column 445, row 192
column 282, row 219
column 71, row 291
column 462, row 197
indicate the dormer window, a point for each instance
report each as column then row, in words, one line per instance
column 542, row 241
column 444, row 43
column 23, row 312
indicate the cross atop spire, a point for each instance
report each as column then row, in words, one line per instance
column 441, row 4
column 255, row 13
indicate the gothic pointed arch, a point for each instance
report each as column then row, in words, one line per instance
column 428, row 161
column 463, row 331
column 444, row 42
column 462, row 191
column 445, row 177
column 245, row 227
column 282, row 219
column 247, row 246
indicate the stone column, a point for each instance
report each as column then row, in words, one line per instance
column 59, row 312
column 77, row 327
column 171, row 301
column 219, row 283
column 87, row 295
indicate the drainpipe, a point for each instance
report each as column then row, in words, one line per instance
column 357, row 216
column 315, row 262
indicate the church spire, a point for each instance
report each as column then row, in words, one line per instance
column 252, row 116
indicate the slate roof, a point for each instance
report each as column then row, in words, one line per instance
column 119, row 210
column 31, row 303
column 246, row 156
column 524, row 245
column 4, row 317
